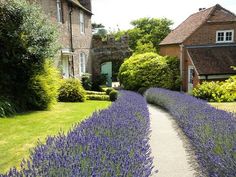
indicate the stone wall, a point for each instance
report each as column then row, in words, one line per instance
column 108, row 50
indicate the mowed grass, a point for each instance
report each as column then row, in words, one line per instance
column 20, row 133
column 230, row 107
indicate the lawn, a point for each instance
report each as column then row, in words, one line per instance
column 230, row 107
column 20, row 133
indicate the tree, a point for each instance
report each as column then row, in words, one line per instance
column 27, row 39
column 149, row 70
column 147, row 30
column 99, row 30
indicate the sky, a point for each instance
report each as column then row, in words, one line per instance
column 114, row 14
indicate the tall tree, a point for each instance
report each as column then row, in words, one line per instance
column 146, row 31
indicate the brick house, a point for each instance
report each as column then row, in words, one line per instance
column 205, row 43
column 73, row 18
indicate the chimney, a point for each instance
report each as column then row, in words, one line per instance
column 200, row 9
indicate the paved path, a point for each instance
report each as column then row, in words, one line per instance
column 171, row 158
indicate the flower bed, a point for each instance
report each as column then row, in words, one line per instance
column 113, row 142
column 212, row 132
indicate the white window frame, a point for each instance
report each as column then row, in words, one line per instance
column 81, row 22
column 59, row 11
column 82, row 63
column 224, row 32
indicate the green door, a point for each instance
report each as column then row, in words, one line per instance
column 106, row 68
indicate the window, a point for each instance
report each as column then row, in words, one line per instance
column 59, row 11
column 224, row 36
column 81, row 22
column 82, row 63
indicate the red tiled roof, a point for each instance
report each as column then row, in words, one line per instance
column 213, row 60
column 186, row 28
column 192, row 23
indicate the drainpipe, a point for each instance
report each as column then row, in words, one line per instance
column 181, row 65
column 71, row 36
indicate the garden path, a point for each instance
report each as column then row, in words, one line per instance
column 169, row 147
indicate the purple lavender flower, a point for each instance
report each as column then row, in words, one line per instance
column 112, row 142
column 212, row 132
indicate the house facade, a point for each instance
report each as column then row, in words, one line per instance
column 205, row 43
column 73, row 18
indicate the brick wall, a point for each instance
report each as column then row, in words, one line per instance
column 81, row 42
column 207, row 33
column 170, row 50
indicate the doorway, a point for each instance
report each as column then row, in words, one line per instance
column 190, row 78
column 65, row 66
column 106, row 68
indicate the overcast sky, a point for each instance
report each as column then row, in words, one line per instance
column 113, row 13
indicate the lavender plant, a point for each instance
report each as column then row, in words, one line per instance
column 212, row 132
column 112, row 142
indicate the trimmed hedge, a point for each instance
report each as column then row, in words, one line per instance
column 113, row 142
column 98, row 97
column 94, row 93
column 212, row 132
column 71, row 90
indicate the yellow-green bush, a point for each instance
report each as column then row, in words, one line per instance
column 44, row 87
column 150, row 70
column 72, row 90
column 217, row 91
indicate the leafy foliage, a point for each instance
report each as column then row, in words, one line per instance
column 113, row 142
column 98, row 97
column 113, row 95
column 71, row 90
column 27, row 38
column 99, row 30
column 97, row 81
column 217, row 91
column 7, row 108
column 44, row 87
column 212, row 132
column 87, row 81
column 108, row 91
column 147, row 31
column 148, row 70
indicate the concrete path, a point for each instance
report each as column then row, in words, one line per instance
column 168, row 145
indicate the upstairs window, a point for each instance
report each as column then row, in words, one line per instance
column 225, row 36
column 81, row 22
column 82, row 64
column 59, row 11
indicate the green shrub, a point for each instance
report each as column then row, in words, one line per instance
column 108, row 91
column 113, row 95
column 44, row 88
column 71, row 90
column 97, row 81
column 7, row 108
column 94, row 93
column 27, row 39
column 217, row 91
column 149, row 70
column 87, row 81
column 142, row 90
column 98, row 97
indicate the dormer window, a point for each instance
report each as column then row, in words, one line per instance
column 225, row 36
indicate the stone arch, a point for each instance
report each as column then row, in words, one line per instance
column 109, row 50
